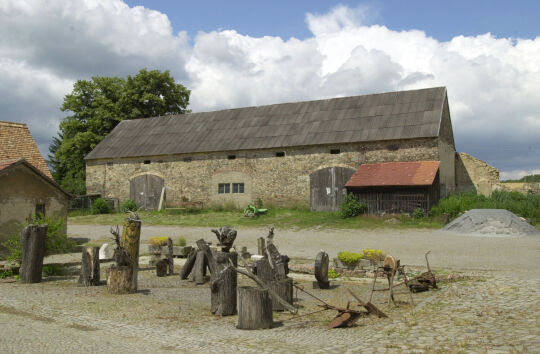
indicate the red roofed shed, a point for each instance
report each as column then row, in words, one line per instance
column 396, row 187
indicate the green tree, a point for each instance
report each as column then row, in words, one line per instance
column 98, row 105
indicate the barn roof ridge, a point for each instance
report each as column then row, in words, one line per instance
column 374, row 117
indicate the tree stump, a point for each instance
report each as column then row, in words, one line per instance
column 223, row 283
column 188, row 266
column 90, row 266
column 264, row 271
column 161, row 268
column 131, row 235
column 120, row 279
column 199, row 267
column 32, row 240
column 284, row 288
column 254, row 308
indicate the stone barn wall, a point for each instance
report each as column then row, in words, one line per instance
column 474, row 175
column 276, row 180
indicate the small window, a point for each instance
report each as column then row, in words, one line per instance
column 224, row 188
column 238, row 188
column 146, row 162
column 231, row 157
column 109, row 163
column 188, row 159
column 280, row 154
column 335, row 151
column 40, row 210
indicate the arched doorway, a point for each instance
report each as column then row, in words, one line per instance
column 327, row 187
column 145, row 190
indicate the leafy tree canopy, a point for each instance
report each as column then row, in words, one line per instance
column 98, row 105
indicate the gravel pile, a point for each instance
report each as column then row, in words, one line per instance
column 493, row 222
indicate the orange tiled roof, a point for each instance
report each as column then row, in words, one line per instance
column 16, row 142
column 419, row 173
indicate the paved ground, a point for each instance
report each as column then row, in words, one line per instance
column 493, row 306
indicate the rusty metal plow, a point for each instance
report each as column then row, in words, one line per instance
column 346, row 317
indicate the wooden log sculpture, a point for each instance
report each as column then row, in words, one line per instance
column 170, row 256
column 226, row 236
column 188, row 266
column 90, row 267
column 284, row 288
column 120, row 279
column 32, row 239
column 161, row 268
column 199, row 267
column 321, row 271
column 131, row 235
column 254, row 308
column 223, row 285
column 263, row 270
column 261, row 246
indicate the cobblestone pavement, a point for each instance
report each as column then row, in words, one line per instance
column 481, row 312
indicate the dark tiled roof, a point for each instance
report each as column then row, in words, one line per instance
column 419, row 173
column 386, row 116
column 17, row 142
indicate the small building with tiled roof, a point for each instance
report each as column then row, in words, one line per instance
column 16, row 142
column 26, row 185
column 298, row 153
column 396, row 187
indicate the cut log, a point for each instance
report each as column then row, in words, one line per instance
column 131, row 236
column 190, row 261
column 263, row 270
column 254, row 308
column 120, row 280
column 210, row 261
column 161, row 268
column 199, row 268
column 32, row 240
column 170, row 256
column 89, row 266
column 223, row 286
column 284, row 288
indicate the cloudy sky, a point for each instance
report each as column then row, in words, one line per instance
column 241, row 53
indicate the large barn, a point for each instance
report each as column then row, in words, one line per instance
column 284, row 154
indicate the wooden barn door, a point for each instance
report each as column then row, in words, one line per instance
column 327, row 187
column 145, row 190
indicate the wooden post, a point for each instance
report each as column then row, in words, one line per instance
column 131, row 235
column 190, row 261
column 199, row 268
column 120, row 279
column 261, row 246
column 32, row 240
column 284, row 288
column 89, row 266
column 254, row 308
column 263, row 270
column 223, row 285
column 170, row 258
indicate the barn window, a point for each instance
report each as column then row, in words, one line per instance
column 146, row 162
column 40, row 210
column 238, row 188
column 224, row 188
column 335, row 151
column 231, row 157
column 280, row 154
column 188, row 159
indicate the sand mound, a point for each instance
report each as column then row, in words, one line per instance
column 494, row 222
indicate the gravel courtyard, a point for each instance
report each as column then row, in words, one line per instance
column 491, row 306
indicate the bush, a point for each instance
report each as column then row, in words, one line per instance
column 100, row 206
column 5, row 273
column 418, row 213
column 350, row 258
column 129, row 205
column 351, row 207
column 333, row 274
column 181, row 241
column 158, row 240
column 374, row 255
column 56, row 240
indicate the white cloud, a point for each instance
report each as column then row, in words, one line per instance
column 517, row 174
column 493, row 83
